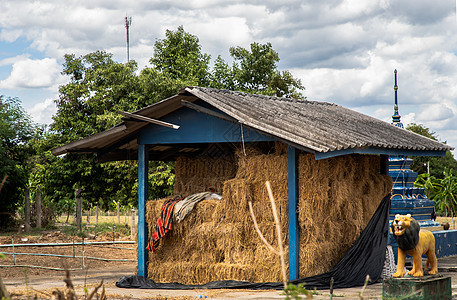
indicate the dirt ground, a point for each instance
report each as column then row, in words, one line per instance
column 35, row 283
column 91, row 252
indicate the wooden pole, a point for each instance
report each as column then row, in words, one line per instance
column 38, row 208
column 132, row 225
column 79, row 207
column 118, row 212
column 96, row 214
column 27, row 210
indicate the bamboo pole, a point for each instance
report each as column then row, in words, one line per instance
column 278, row 231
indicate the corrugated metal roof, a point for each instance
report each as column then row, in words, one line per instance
column 321, row 127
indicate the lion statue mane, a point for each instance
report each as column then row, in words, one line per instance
column 415, row 242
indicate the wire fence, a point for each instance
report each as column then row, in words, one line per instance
column 105, row 244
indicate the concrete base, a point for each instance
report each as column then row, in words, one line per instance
column 427, row 287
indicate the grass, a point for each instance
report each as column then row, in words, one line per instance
column 100, row 228
column 105, row 225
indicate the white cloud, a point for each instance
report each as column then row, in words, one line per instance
column 42, row 112
column 436, row 113
column 30, row 73
column 344, row 51
column 11, row 60
column 10, row 35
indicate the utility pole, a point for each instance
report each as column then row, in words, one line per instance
column 128, row 23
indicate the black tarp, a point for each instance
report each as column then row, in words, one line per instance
column 365, row 257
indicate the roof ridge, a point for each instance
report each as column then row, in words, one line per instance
column 274, row 98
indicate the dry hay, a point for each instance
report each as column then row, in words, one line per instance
column 217, row 241
column 195, row 175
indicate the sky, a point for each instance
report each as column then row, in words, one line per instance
column 344, row 51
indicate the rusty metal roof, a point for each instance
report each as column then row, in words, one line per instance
column 322, row 128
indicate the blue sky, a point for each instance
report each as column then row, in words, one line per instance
column 344, row 51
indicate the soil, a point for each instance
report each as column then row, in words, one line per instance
column 90, row 253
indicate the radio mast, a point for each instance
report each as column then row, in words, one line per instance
column 128, row 22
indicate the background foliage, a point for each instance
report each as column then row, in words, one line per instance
column 98, row 88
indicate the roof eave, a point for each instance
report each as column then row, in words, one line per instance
column 379, row 151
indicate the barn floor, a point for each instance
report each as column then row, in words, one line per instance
column 18, row 286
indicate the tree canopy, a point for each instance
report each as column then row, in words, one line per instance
column 98, row 88
column 436, row 164
column 16, row 130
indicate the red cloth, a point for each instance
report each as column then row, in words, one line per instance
column 164, row 223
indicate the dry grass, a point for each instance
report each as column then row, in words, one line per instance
column 217, row 241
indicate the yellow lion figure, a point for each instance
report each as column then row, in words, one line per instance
column 415, row 242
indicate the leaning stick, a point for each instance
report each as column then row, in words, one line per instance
column 278, row 230
column 260, row 233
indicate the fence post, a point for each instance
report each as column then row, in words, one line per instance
column 132, row 225
column 38, row 208
column 88, row 216
column 79, row 205
column 27, row 210
column 96, row 214
column 118, row 212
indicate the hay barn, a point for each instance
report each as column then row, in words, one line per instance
column 327, row 166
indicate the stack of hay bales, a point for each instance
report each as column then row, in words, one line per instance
column 199, row 175
column 217, row 241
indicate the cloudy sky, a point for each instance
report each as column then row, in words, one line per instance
column 343, row 51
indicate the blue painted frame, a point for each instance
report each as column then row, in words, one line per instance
column 142, row 198
column 294, row 244
column 196, row 127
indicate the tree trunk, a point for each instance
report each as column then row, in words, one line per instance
column 38, row 208
column 118, row 212
column 27, row 210
column 79, row 207
column 132, row 225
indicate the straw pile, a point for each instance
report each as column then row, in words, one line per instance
column 199, row 175
column 217, row 241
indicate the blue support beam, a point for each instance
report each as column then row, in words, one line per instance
column 294, row 244
column 197, row 127
column 142, row 198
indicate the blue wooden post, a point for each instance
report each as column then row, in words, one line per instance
column 142, row 197
column 293, row 214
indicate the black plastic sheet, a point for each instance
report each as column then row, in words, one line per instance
column 365, row 257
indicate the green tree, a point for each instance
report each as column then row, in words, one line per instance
column 179, row 56
column 89, row 103
column 16, row 130
column 437, row 165
column 99, row 87
column 255, row 71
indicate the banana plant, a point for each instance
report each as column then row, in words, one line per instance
column 442, row 191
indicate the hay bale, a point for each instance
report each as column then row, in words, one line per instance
column 217, row 241
column 199, row 174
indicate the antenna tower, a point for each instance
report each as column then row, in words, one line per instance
column 128, row 22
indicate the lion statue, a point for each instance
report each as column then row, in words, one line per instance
column 414, row 242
